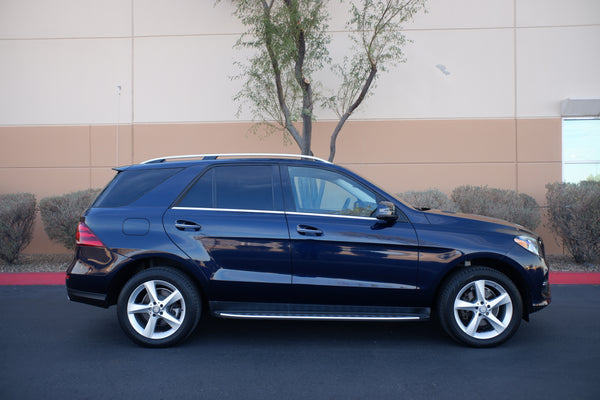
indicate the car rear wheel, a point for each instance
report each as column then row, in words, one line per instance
column 159, row 307
column 480, row 307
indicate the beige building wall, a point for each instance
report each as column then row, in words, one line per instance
column 86, row 86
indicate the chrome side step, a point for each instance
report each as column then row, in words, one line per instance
column 320, row 317
column 317, row 312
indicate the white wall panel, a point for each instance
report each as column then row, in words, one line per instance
column 554, row 64
column 461, row 64
column 449, row 74
column 184, row 17
column 188, row 78
column 64, row 18
column 557, row 12
column 184, row 78
column 65, row 81
column 445, row 14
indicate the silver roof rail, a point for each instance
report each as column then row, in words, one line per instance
column 215, row 156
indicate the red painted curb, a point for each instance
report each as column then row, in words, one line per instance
column 575, row 278
column 34, row 278
column 58, row 278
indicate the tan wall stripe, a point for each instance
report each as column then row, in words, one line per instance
column 522, row 155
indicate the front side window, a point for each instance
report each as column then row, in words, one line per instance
column 326, row 192
column 240, row 187
column 581, row 150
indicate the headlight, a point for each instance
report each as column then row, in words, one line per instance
column 528, row 243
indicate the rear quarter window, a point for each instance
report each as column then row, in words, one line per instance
column 130, row 185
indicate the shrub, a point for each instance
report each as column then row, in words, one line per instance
column 595, row 178
column 574, row 213
column 432, row 198
column 61, row 214
column 17, row 214
column 504, row 204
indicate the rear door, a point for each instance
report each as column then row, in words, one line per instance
column 231, row 223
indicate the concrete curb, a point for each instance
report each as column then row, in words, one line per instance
column 58, row 278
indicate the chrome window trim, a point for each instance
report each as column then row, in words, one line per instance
column 332, row 215
column 273, row 212
column 227, row 210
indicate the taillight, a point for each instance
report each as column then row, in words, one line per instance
column 85, row 237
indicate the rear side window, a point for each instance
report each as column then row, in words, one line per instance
column 241, row 187
column 200, row 194
column 130, row 185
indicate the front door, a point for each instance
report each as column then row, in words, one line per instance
column 342, row 254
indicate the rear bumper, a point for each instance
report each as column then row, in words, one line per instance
column 95, row 299
column 90, row 274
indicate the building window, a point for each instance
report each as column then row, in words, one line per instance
column 580, row 149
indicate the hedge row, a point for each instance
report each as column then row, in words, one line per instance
column 60, row 216
column 17, row 213
column 508, row 205
column 481, row 200
column 573, row 211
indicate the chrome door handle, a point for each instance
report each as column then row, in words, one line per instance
column 308, row 230
column 187, row 225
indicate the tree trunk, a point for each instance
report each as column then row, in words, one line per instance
column 353, row 106
column 303, row 82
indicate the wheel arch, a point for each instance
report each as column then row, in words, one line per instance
column 501, row 266
column 127, row 271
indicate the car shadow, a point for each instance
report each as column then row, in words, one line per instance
column 315, row 333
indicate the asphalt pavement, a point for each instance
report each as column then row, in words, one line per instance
column 52, row 348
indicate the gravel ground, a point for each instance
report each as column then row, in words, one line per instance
column 566, row 263
column 38, row 263
column 59, row 263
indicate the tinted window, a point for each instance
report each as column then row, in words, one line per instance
column 130, row 185
column 201, row 193
column 242, row 187
column 327, row 192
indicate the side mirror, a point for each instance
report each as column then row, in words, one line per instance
column 386, row 211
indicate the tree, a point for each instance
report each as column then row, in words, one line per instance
column 288, row 41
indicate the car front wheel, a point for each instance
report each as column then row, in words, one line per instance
column 159, row 307
column 480, row 307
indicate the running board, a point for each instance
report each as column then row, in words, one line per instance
column 320, row 317
column 317, row 312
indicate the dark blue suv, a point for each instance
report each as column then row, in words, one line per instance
column 294, row 237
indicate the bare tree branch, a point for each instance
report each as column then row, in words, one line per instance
column 349, row 111
column 289, row 39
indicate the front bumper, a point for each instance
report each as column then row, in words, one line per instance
column 535, row 274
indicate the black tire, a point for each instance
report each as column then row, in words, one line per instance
column 147, row 318
column 480, row 307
